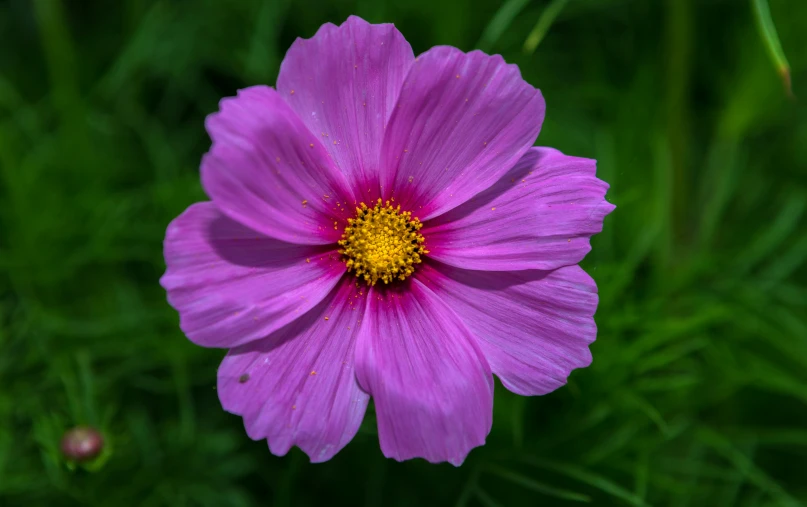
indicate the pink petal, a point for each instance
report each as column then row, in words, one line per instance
column 232, row 285
column 534, row 327
column 267, row 171
column 462, row 121
column 297, row 387
column 344, row 83
column 432, row 388
column 540, row 215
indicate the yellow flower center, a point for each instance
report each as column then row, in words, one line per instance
column 382, row 243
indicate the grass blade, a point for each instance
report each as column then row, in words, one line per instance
column 722, row 167
column 542, row 26
column 785, row 222
column 534, row 485
column 783, row 266
column 596, row 481
column 469, row 488
column 747, row 467
column 501, row 21
column 767, row 30
column 486, row 500
column 649, row 410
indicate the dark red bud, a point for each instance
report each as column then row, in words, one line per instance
column 82, row 443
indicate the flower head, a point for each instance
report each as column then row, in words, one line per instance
column 381, row 226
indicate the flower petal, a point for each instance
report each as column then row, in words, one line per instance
column 344, row 83
column 232, row 285
column 267, row 171
column 297, row 387
column 540, row 215
column 534, row 327
column 462, row 121
column 432, row 388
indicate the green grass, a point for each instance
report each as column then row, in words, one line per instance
column 698, row 391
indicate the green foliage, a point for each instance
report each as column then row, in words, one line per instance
column 698, row 391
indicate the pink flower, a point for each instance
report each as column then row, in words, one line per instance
column 380, row 225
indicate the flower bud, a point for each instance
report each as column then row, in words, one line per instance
column 82, row 443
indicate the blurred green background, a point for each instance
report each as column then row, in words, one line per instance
column 698, row 391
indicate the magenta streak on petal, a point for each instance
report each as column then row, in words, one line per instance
column 534, row 327
column 344, row 83
column 540, row 215
column 232, row 285
column 432, row 387
column 297, row 386
column 462, row 121
column 267, row 171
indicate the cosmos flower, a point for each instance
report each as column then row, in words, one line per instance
column 381, row 226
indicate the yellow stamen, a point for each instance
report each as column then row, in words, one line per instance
column 382, row 243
